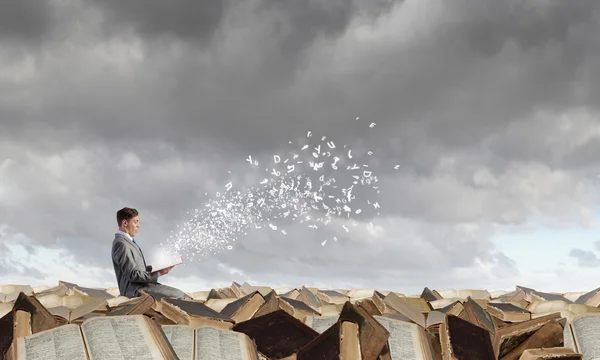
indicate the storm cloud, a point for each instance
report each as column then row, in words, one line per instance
column 488, row 110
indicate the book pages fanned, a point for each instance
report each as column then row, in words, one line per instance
column 404, row 339
column 586, row 332
column 181, row 339
column 64, row 342
column 217, row 344
column 568, row 337
column 5, row 308
column 50, row 300
column 321, row 323
column 117, row 338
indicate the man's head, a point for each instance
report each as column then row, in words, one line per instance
column 128, row 221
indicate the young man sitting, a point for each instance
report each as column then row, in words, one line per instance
column 133, row 275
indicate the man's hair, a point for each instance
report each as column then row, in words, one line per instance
column 126, row 214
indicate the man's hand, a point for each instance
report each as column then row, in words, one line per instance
column 165, row 271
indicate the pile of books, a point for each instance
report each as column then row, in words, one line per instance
column 248, row 322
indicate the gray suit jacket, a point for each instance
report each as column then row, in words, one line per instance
column 130, row 266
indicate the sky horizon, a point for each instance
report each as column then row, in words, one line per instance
column 469, row 130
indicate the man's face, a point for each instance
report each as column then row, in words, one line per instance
column 131, row 226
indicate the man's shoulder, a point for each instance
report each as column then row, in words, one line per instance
column 119, row 239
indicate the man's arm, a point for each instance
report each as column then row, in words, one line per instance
column 124, row 259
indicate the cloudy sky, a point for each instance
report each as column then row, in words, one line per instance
column 490, row 109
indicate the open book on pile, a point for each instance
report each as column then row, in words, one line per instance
column 131, row 337
column 582, row 334
column 107, row 338
column 209, row 343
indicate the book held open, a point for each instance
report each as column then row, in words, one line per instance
column 163, row 264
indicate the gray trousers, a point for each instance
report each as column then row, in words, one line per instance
column 162, row 290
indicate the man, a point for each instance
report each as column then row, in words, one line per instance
column 133, row 275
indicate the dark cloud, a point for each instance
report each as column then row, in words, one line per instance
column 302, row 22
column 527, row 57
column 193, row 21
column 489, row 25
column 25, row 21
column 488, row 108
column 297, row 25
column 250, row 84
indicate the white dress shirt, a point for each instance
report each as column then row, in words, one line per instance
column 125, row 234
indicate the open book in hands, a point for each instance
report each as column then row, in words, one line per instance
column 168, row 264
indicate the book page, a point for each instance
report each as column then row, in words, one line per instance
column 441, row 303
column 87, row 307
column 50, row 300
column 542, row 306
column 119, row 300
column 586, row 331
column 119, row 338
column 64, row 342
column 399, row 304
column 474, row 294
column 435, row 318
column 568, row 337
column 167, row 262
column 5, row 308
column 404, row 339
column 181, row 339
column 74, row 301
column 321, row 323
column 563, row 313
column 217, row 344
column 61, row 311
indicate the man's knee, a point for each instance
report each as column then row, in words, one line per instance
column 164, row 290
column 180, row 295
column 173, row 292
